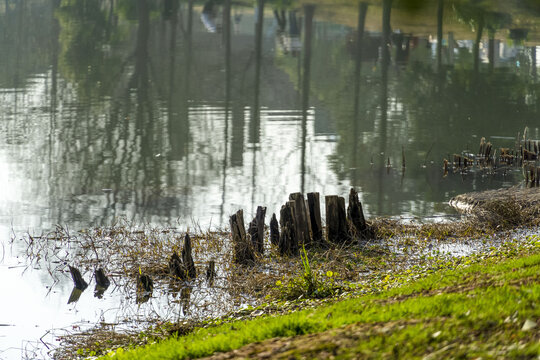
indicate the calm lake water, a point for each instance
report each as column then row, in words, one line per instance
column 178, row 113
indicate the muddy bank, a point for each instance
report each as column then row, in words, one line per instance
column 524, row 197
column 511, row 207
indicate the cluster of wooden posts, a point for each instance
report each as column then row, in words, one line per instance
column 530, row 150
column 485, row 157
column 102, row 283
column 525, row 155
column 180, row 267
column 301, row 225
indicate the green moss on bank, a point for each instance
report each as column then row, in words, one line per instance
column 480, row 308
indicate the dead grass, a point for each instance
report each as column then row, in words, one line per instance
column 463, row 229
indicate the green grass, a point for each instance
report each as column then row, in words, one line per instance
column 474, row 310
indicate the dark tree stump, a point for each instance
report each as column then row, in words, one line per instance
column 77, row 278
column 145, row 287
column 300, row 217
column 102, row 283
column 211, row 271
column 356, row 216
column 101, row 278
column 288, row 243
column 145, row 283
column 256, row 230
column 243, row 250
column 274, row 231
column 176, row 267
column 336, row 221
column 187, row 259
column 315, row 217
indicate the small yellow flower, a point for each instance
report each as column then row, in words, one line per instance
column 329, row 273
column 278, row 283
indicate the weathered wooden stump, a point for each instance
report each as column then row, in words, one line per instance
column 78, row 280
column 187, row 259
column 176, row 267
column 145, row 287
column 336, row 220
column 256, row 230
column 243, row 250
column 300, row 218
column 145, row 283
column 356, row 216
column 288, row 243
column 211, row 271
column 101, row 278
column 315, row 217
column 274, row 230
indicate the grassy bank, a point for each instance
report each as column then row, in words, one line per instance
column 483, row 306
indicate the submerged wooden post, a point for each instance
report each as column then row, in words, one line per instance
column 145, row 283
column 315, row 217
column 102, row 283
column 300, row 218
column 356, row 216
column 256, row 230
column 336, row 221
column 243, row 251
column 274, row 230
column 187, row 259
column 145, row 287
column 78, row 280
column 211, row 271
column 288, row 243
column 176, row 267
column 101, row 278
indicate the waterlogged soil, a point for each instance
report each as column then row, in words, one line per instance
column 276, row 285
column 102, row 340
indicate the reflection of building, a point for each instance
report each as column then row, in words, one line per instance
column 288, row 34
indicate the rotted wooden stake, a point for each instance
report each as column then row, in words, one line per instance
column 356, row 216
column 288, row 242
column 102, row 283
column 243, row 250
column 176, row 267
column 187, row 259
column 315, row 217
column 256, row 230
column 101, row 278
column 274, row 230
column 336, row 221
column 300, row 217
column 145, row 287
column 78, row 280
column 211, row 271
